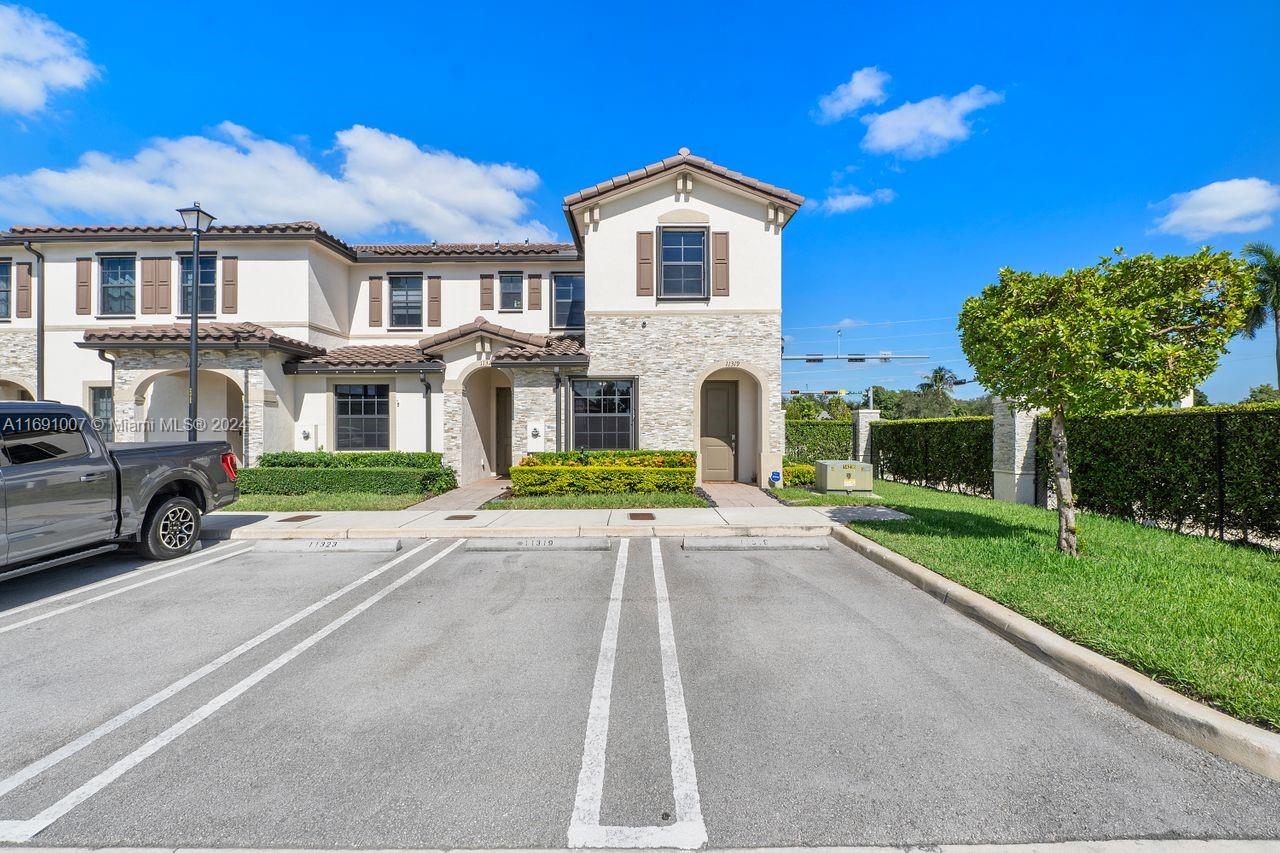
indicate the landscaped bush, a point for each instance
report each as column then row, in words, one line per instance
column 1163, row 467
column 809, row 441
column 373, row 459
column 385, row 481
column 528, row 479
column 944, row 453
column 626, row 458
column 798, row 474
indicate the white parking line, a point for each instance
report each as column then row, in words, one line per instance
column 689, row 831
column 40, row 765
column 25, row 830
column 130, row 575
column 59, row 611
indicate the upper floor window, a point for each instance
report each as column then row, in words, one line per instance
column 683, row 271
column 6, row 287
column 511, row 291
column 568, row 300
column 117, row 276
column 208, row 284
column 406, row 300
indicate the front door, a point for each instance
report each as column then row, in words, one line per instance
column 719, row 444
column 502, row 422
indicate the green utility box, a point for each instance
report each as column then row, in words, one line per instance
column 842, row 475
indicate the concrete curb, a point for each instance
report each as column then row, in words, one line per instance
column 1251, row 747
column 634, row 531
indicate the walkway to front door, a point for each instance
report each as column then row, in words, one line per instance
column 471, row 496
column 737, row 494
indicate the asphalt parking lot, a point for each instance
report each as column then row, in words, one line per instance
column 637, row 696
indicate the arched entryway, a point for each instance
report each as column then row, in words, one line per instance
column 486, row 424
column 161, row 406
column 11, row 390
column 730, row 426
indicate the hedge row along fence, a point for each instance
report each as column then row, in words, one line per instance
column 809, row 441
column 604, row 471
column 944, row 453
column 1210, row 469
column 385, row 472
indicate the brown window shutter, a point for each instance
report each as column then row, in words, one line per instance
column 486, row 291
column 230, row 282
column 84, row 288
column 148, row 285
column 433, row 300
column 375, row 300
column 23, row 289
column 720, row 263
column 164, row 286
column 535, row 291
column 644, row 263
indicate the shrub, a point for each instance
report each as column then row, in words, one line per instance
column 626, row 458
column 1162, row 466
column 528, row 479
column 798, row 474
column 384, row 481
column 945, row 453
column 374, row 459
column 809, row 441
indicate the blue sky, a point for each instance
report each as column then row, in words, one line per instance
column 1029, row 135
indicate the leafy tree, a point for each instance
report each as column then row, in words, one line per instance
column 977, row 406
column 838, row 407
column 1201, row 398
column 939, row 379
column 932, row 403
column 1264, row 262
column 886, row 400
column 1264, row 393
column 801, row 408
column 1129, row 331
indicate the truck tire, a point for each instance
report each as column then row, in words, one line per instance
column 171, row 529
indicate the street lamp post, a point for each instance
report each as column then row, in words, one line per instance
column 196, row 221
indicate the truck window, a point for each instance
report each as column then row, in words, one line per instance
column 40, row 442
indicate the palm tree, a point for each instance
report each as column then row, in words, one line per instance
column 940, row 379
column 1265, row 261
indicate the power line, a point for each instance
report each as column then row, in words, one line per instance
column 865, row 325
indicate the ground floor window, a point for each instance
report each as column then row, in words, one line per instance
column 362, row 417
column 102, row 411
column 604, row 414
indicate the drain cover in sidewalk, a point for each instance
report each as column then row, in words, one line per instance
column 300, row 518
column 641, row 516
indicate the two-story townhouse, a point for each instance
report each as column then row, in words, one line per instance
column 659, row 326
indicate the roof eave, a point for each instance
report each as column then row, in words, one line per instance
column 204, row 345
column 432, row 366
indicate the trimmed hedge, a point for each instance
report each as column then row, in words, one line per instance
column 529, row 479
column 943, row 453
column 613, row 458
column 798, row 474
column 374, row 459
column 1162, row 466
column 384, row 481
column 809, row 441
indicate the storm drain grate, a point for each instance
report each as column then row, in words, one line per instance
column 458, row 517
column 640, row 516
column 300, row 518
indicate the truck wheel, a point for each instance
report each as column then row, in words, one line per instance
column 171, row 530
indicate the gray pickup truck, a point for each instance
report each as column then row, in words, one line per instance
column 68, row 494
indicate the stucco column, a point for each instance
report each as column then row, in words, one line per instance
column 862, row 420
column 1013, row 453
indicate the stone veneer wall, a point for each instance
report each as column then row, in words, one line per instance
column 671, row 352
column 18, row 356
column 533, row 397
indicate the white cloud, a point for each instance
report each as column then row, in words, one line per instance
column 384, row 183
column 1237, row 206
column 848, row 323
column 866, row 86
column 38, row 57
column 843, row 201
column 926, row 128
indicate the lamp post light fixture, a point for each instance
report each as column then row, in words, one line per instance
column 197, row 222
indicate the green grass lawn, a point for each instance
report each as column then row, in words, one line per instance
column 1198, row 615
column 648, row 500
column 322, row 501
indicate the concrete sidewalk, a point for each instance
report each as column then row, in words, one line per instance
column 776, row 520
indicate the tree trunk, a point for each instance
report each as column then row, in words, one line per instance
column 1067, row 542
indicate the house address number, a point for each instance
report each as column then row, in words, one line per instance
column 733, row 362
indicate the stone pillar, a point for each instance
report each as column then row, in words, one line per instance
column 1013, row 453
column 533, row 398
column 862, row 420
column 453, row 401
column 254, row 426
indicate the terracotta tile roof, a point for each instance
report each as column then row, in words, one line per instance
column 304, row 228
column 462, row 249
column 684, row 159
column 560, row 346
column 249, row 335
column 374, row 355
column 480, row 326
